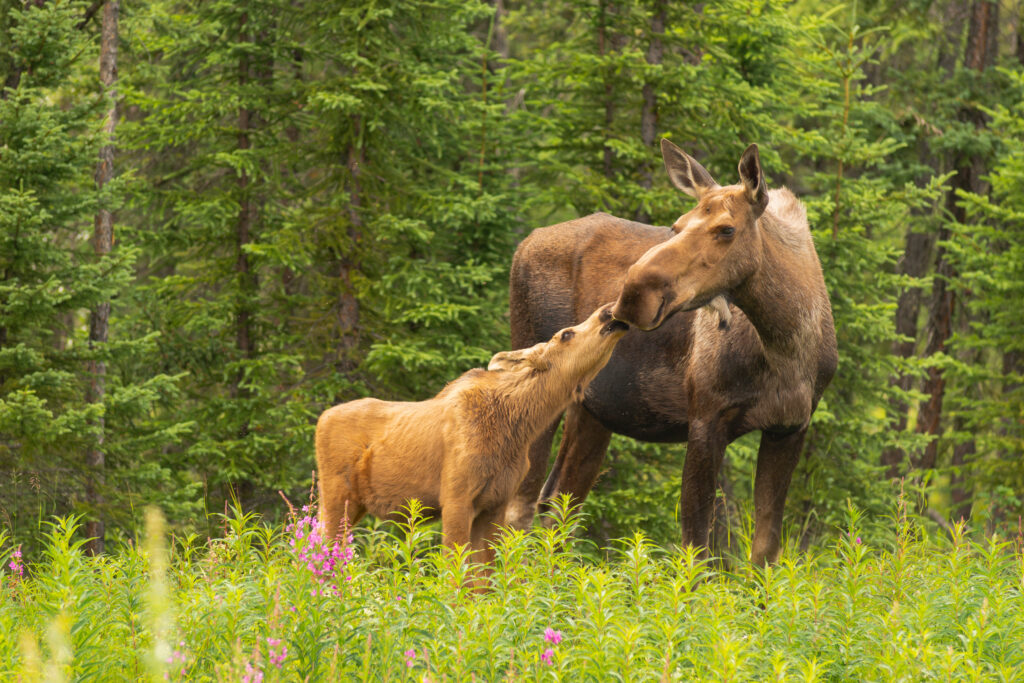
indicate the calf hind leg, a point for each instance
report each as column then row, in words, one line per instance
column 338, row 505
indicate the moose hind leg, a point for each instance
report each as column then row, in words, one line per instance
column 521, row 509
column 777, row 457
column 584, row 444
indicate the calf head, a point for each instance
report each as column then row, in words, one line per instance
column 717, row 244
column 531, row 357
column 577, row 353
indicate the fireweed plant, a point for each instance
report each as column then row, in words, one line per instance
column 894, row 600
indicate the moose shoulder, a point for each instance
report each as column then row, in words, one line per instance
column 687, row 377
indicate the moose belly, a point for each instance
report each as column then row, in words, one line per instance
column 622, row 403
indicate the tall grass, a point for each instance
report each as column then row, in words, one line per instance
column 276, row 603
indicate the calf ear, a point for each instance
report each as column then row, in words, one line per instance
column 539, row 363
column 504, row 360
column 685, row 172
column 752, row 178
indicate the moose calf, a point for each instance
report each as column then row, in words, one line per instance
column 462, row 453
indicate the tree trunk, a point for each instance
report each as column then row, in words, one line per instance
column 500, row 40
column 603, row 48
column 348, row 304
column 961, row 489
column 649, row 113
column 246, row 276
column 979, row 54
column 915, row 264
column 103, row 239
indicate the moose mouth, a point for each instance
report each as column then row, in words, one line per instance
column 614, row 326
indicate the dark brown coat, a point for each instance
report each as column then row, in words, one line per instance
column 688, row 378
column 462, row 453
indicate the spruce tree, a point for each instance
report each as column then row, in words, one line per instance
column 51, row 117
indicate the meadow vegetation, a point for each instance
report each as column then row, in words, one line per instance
column 266, row 602
column 307, row 203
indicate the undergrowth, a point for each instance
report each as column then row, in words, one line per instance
column 276, row 603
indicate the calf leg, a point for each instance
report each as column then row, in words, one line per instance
column 584, row 444
column 337, row 503
column 521, row 509
column 456, row 522
column 484, row 532
column 777, row 457
column 704, row 452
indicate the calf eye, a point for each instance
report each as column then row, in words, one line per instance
column 727, row 231
column 567, row 335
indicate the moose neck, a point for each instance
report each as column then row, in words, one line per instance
column 781, row 297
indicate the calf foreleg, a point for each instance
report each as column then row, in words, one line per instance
column 584, row 444
column 456, row 522
column 521, row 509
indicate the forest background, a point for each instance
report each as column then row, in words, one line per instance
column 219, row 218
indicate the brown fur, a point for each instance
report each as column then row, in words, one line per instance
column 462, row 453
column 691, row 377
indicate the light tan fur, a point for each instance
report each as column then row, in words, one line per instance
column 462, row 453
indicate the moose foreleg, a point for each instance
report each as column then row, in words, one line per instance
column 704, row 452
column 584, row 444
column 777, row 457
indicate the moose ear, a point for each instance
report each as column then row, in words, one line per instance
column 685, row 172
column 752, row 178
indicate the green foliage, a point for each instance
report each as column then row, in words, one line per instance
column 858, row 215
column 50, row 279
column 902, row 605
column 722, row 82
column 989, row 256
column 321, row 215
column 319, row 201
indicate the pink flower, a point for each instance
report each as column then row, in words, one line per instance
column 252, row 674
column 858, row 540
column 548, row 656
column 15, row 565
column 410, row 655
column 325, row 560
column 552, row 636
column 277, row 657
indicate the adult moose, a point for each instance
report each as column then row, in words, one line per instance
column 682, row 376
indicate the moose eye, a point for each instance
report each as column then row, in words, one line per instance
column 567, row 335
column 727, row 231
